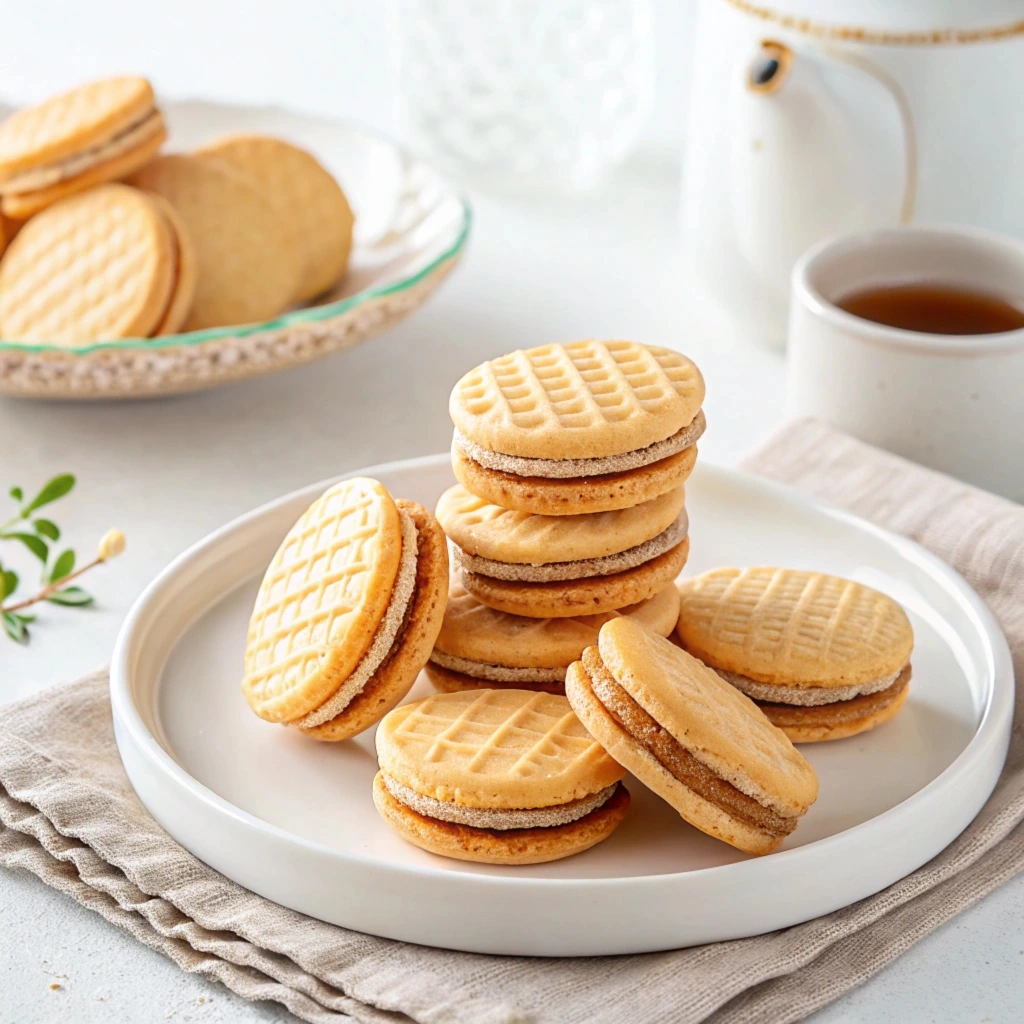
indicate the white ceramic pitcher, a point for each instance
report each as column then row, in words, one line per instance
column 815, row 117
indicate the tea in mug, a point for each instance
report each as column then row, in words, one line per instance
column 934, row 308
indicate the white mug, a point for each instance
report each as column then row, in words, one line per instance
column 952, row 402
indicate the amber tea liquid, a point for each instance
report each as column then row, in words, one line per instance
column 934, row 309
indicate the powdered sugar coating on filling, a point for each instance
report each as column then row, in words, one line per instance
column 569, row 469
column 383, row 640
column 498, row 818
column 805, row 696
column 497, row 673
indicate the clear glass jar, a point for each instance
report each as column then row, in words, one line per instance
column 524, row 94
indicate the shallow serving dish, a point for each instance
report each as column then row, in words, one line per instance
column 411, row 228
column 293, row 819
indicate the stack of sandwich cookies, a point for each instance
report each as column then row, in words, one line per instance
column 565, row 566
column 347, row 613
column 93, row 134
column 692, row 738
column 480, row 647
column 496, row 776
column 585, row 427
column 822, row 656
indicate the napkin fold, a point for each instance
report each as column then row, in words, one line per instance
column 69, row 815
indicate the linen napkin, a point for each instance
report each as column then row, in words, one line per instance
column 69, row 815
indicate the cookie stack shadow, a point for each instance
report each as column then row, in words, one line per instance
column 569, row 510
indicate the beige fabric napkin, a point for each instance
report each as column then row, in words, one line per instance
column 68, row 814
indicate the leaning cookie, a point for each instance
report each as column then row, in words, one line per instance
column 347, row 613
column 496, row 776
column 559, row 566
column 590, row 426
column 481, row 648
column 822, row 656
column 95, row 133
column 695, row 740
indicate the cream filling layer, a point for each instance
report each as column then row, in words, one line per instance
column 497, row 673
column 124, row 141
column 581, row 569
column 568, row 469
column 805, row 696
column 500, row 818
column 384, row 638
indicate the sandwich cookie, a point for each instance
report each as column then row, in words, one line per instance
column 347, row 613
column 822, row 656
column 305, row 193
column 100, row 265
column 99, row 132
column 497, row 777
column 246, row 251
column 561, row 566
column 587, row 427
column 695, row 740
column 479, row 647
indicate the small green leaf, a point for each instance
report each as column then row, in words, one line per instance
column 8, row 583
column 15, row 628
column 74, row 596
column 33, row 543
column 47, row 528
column 16, row 493
column 24, row 618
column 64, row 564
column 54, row 489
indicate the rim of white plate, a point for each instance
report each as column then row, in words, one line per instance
column 998, row 703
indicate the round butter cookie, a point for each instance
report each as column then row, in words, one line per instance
column 306, row 193
column 824, row 657
column 184, row 288
column 97, row 132
column 347, row 612
column 692, row 738
column 479, row 647
column 496, row 776
column 583, row 400
column 486, row 530
column 247, row 257
column 97, row 266
column 583, row 596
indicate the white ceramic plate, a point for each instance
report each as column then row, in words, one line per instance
column 410, row 231
column 293, row 819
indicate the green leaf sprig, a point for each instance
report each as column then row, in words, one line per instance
column 39, row 535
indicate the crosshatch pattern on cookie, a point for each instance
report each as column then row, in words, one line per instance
column 797, row 624
column 490, row 733
column 602, row 390
column 315, row 588
column 45, row 132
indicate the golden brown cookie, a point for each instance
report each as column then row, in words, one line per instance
column 496, row 776
column 347, row 613
column 97, row 266
column 246, row 254
column 481, row 647
column 836, row 651
column 184, row 287
column 604, row 493
column 485, row 530
column 95, row 133
column 306, row 193
column 695, row 740
column 588, row 596
column 590, row 426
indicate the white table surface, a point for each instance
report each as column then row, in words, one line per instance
column 167, row 472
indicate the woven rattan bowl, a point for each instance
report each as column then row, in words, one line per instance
column 411, row 228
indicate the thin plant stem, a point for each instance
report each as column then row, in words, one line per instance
column 51, row 588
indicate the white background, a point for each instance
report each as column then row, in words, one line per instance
column 167, row 472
